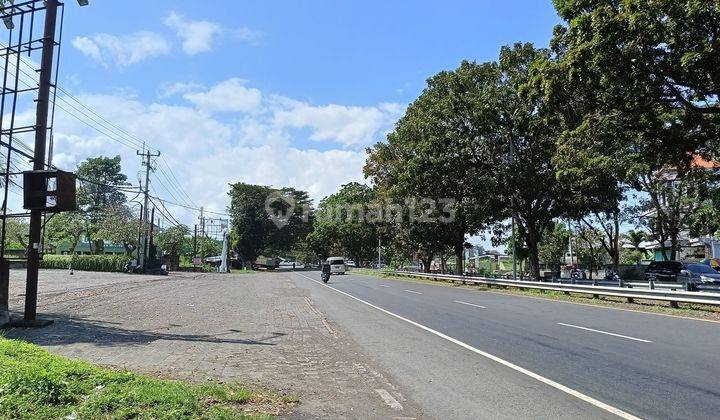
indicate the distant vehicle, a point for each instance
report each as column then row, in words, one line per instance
column 267, row 263
column 350, row 263
column 337, row 265
column 681, row 272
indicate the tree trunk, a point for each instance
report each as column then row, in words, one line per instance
column 673, row 246
column 459, row 257
column 426, row 263
column 531, row 241
column 616, row 245
column 443, row 263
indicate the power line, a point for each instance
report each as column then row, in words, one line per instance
column 115, row 133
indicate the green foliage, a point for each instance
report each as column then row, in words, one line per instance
column 441, row 150
column 342, row 225
column 171, row 240
column 99, row 178
column 63, row 227
column 35, row 384
column 118, row 225
column 16, row 234
column 254, row 232
column 554, row 246
column 636, row 84
column 106, row 263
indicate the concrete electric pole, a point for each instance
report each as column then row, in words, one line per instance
column 143, row 245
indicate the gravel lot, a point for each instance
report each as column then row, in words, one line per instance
column 258, row 329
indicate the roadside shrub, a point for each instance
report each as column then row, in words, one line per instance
column 107, row 263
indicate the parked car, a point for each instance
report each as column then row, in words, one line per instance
column 337, row 265
column 681, row 272
column 350, row 263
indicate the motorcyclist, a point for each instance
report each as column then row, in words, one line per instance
column 325, row 273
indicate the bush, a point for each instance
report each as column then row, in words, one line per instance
column 107, row 263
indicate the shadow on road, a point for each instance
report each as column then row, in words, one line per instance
column 72, row 330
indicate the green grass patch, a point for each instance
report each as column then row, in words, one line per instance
column 371, row 272
column 35, row 384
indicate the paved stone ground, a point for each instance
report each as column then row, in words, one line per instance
column 258, row 329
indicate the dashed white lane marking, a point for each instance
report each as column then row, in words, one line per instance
column 469, row 304
column 604, row 332
column 412, row 291
column 384, row 285
column 389, row 399
column 588, row 399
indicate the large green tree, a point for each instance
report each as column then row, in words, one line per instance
column 119, row 226
column 66, row 227
column 438, row 157
column 171, row 241
column 100, row 177
column 266, row 219
column 528, row 129
column 346, row 223
column 637, row 85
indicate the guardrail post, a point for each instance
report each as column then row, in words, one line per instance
column 673, row 304
column 652, row 284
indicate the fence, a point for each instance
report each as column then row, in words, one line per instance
column 667, row 292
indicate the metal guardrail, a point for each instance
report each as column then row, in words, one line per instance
column 658, row 293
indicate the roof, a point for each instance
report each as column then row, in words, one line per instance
column 700, row 162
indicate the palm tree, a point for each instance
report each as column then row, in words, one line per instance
column 636, row 237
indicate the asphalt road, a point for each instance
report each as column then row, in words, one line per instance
column 468, row 354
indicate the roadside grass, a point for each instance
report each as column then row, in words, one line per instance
column 690, row 310
column 35, row 384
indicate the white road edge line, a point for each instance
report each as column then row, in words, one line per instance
column 389, row 399
column 550, row 382
column 412, row 291
column 469, row 304
column 604, row 332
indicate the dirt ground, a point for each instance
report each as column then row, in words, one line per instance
column 257, row 329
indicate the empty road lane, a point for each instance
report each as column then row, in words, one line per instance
column 637, row 364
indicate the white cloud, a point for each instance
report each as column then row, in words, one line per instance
column 200, row 36
column 229, row 96
column 122, row 51
column 208, row 151
column 178, row 88
column 349, row 125
column 197, row 35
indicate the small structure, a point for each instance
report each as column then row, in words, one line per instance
column 224, row 257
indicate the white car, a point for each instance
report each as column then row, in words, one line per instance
column 350, row 263
column 337, row 265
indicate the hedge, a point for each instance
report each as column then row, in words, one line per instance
column 113, row 263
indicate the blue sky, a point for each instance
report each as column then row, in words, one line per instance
column 359, row 52
column 287, row 93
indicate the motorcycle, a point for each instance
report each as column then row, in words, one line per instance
column 325, row 274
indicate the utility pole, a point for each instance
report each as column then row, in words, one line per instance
column 379, row 245
column 147, row 162
column 41, row 130
column 195, row 250
column 202, row 223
